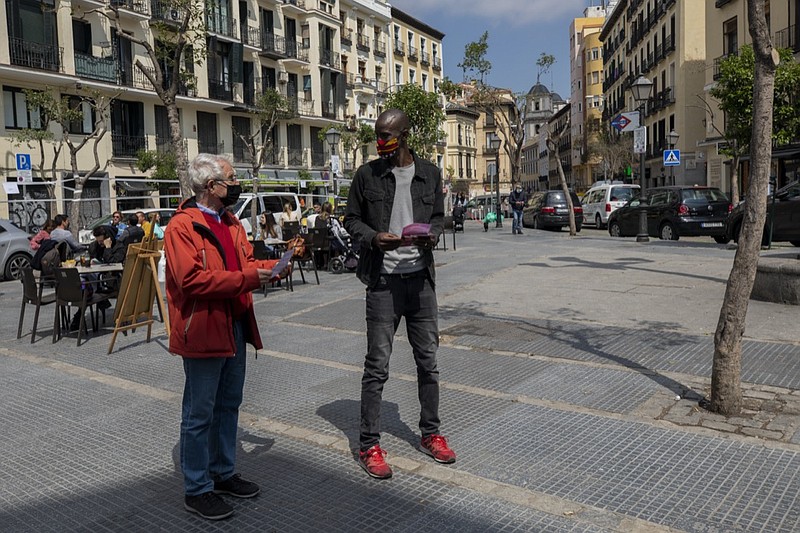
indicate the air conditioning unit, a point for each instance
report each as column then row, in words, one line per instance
column 283, row 76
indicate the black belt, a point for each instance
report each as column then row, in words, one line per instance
column 409, row 275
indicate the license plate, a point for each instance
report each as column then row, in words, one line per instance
column 711, row 225
column 561, row 211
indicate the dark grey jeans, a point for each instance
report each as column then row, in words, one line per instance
column 396, row 296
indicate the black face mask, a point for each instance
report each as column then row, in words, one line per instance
column 234, row 191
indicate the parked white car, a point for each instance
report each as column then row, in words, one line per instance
column 603, row 198
column 15, row 250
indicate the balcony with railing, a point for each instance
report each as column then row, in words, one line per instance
column 251, row 36
column 299, row 106
column 437, row 63
column 488, row 149
column 273, row 46
column 426, row 58
column 412, row 52
column 210, row 146
column 317, row 159
column 363, row 43
column 221, row 24
column 297, row 50
column 399, row 47
column 127, row 146
column 347, row 36
column 379, row 47
column 220, row 90
column 718, row 64
column 96, row 68
column 135, row 78
column 164, row 11
column 295, row 157
column 35, row 55
column 139, row 7
column 381, row 86
column 788, row 38
column 164, row 145
column 669, row 44
column 329, row 58
column 332, row 111
column 293, row 6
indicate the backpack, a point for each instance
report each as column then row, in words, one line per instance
column 48, row 257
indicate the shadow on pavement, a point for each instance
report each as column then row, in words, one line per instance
column 346, row 416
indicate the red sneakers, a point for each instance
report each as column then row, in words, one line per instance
column 436, row 446
column 373, row 462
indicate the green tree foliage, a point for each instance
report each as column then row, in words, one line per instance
column 352, row 140
column 475, row 61
column 544, row 64
column 425, row 114
column 163, row 164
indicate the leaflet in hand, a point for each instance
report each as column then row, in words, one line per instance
column 413, row 231
column 282, row 263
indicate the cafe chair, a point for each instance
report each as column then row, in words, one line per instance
column 290, row 230
column 33, row 293
column 70, row 291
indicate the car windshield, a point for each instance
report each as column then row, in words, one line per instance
column 623, row 194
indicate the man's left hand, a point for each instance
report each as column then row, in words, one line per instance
column 426, row 242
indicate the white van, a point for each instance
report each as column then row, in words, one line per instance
column 271, row 202
column 603, row 198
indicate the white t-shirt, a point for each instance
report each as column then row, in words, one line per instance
column 406, row 258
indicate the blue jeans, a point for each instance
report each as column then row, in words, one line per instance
column 211, row 399
column 394, row 297
column 517, row 224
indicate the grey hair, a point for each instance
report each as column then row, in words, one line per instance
column 206, row 167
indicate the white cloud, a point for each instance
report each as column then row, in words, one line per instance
column 513, row 12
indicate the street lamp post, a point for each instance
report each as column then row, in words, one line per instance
column 496, row 148
column 641, row 89
column 333, row 136
column 672, row 139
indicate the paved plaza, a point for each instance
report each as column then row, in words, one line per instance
column 571, row 373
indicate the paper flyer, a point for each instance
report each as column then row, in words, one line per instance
column 282, row 263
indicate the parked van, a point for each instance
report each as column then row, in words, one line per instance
column 603, row 198
column 478, row 206
column 271, row 202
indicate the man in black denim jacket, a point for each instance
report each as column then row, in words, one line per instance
column 386, row 195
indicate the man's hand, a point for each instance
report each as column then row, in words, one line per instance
column 107, row 242
column 426, row 242
column 386, row 241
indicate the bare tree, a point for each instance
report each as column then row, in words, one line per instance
column 614, row 150
column 173, row 49
column 553, row 141
column 726, row 392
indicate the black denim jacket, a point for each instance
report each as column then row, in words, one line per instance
column 369, row 210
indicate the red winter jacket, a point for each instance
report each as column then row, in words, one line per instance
column 201, row 291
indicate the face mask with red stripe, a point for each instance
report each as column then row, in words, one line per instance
column 387, row 147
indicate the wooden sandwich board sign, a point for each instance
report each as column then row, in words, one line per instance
column 139, row 289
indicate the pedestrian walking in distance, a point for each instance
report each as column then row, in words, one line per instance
column 518, row 199
column 386, row 195
column 210, row 275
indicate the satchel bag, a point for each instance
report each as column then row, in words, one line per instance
column 298, row 245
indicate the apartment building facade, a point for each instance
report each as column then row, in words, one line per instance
column 461, row 151
column 726, row 31
column 540, row 106
column 586, row 92
column 332, row 59
column 663, row 40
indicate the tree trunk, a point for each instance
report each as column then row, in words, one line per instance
column 179, row 149
column 563, row 180
column 735, row 179
column 75, row 204
column 726, row 393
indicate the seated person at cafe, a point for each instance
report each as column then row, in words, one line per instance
column 106, row 248
column 133, row 233
column 61, row 233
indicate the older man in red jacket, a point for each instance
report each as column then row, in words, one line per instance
column 210, row 275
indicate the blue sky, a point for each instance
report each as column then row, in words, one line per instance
column 519, row 31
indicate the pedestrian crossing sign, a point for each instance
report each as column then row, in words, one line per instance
column 672, row 158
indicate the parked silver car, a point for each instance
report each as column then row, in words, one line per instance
column 15, row 250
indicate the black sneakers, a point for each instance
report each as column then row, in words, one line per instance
column 208, row 505
column 237, row 487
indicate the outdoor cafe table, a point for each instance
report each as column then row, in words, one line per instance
column 99, row 269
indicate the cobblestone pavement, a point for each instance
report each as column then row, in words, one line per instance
column 571, row 374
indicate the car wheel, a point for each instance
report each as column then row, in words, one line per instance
column 795, row 243
column 15, row 265
column 613, row 229
column 598, row 222
column 722, row 239
column 668, row 232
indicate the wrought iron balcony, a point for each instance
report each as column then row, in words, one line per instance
column 297, row 50
column 363, row 43
column 412, row 52
column 137, row 6
column 295, row 157
column 437, row 63
column 221, row 25
column 317, row 159
column 426, row 58
column 718, row 64
column 379, row 48
column 788, row 38
column 331, row 110
column 35, row 55
column 164, row 11
column 347, row 36
column 210, row 146
column 96, row 68
column 220, row 90
column 133, row 77
column 299, row 106
column 329, row 58
column 273, row 46
column 399, row 47
column 251, row 36
column 127, row 146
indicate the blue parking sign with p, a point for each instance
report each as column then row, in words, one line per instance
column 23, row 161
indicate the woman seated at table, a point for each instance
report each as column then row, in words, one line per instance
column 267, row 229
column 288, row 214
